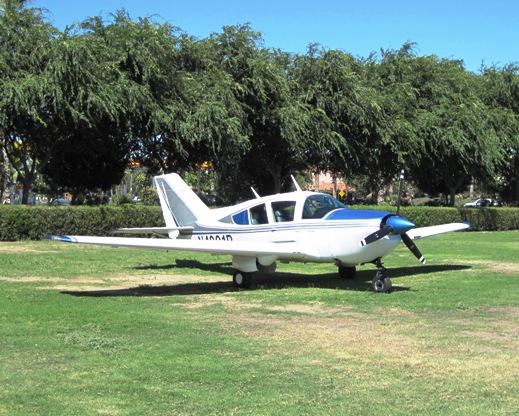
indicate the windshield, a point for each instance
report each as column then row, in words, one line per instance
column 318, row 205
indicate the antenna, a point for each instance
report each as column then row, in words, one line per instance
column 298, row 188
column 400, row 186
column 254, row 192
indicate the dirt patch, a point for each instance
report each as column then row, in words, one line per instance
column 14, row 248
column 118, row 282
column 498, row 267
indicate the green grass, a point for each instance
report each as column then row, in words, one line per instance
column 92, row 330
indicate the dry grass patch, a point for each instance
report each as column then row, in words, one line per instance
column 443, row 353
column 497, row 267
column 114, row 282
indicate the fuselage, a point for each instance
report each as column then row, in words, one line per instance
column 331, row 229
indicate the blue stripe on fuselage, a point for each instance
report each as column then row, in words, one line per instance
column 353, row 214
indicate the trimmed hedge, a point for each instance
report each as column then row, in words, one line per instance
column 23, row 222
column 480, row 219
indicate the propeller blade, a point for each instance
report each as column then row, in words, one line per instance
column 412, row 247
column 377, row 235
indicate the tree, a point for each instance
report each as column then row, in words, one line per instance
column 186, row 112
column 27, row 102
column 352, row 135
column 499, row 89
column 92, row 100
column 457, row 133
column 260, row 86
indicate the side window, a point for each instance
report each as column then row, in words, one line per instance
column 283, row 211
column 258, row 215
column 241, row 218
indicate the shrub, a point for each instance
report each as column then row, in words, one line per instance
column 22, row 222
column 484, row 219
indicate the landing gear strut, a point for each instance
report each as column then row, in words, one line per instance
column 381, row 283
column 241, row 279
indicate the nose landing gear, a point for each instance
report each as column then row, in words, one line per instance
column 381, row 283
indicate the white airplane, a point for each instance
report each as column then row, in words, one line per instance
column 299, row 226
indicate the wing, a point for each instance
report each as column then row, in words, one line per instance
column 288, row 250
column 152, row 230
column 423, row 232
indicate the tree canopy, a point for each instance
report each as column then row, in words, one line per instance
column 77, row 106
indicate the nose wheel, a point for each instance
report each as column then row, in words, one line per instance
column 381, row 283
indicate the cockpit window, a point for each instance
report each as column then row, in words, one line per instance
column 318, row 205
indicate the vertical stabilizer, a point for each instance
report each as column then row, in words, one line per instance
column 181, row 207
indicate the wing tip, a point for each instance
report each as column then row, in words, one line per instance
column 62, row 238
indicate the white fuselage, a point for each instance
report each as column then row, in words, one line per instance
column 327, row 239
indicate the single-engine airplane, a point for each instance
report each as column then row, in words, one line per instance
column 298, row 226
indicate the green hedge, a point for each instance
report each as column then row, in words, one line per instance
column 22, row 222
column 32, row 222
column 481, row 219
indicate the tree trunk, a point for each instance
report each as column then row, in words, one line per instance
column 276, row 179
column 453, row 187
column 452, row 196
column 27, row 182
column 6, row 175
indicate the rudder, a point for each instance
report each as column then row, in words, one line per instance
column 181, row 207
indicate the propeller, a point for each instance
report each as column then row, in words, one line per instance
column 395, row 224
column 390, row 224
column 412, row 247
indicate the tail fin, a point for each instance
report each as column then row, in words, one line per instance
column 181, row 207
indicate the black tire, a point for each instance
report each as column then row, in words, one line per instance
column 242, row 280
column 271, row 268
column 346, row 272
column 381, row 284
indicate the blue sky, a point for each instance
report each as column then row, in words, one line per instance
column 471, row 30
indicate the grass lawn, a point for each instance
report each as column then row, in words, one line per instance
column 93, row 330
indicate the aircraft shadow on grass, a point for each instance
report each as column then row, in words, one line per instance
column 262, row 281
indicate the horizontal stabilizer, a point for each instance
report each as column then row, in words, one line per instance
column 424, row 232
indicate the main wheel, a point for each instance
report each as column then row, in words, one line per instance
column 346, row 272
column 241, row 279
column 271, row 268
column 381, row 283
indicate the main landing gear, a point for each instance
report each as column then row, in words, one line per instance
column 347, row 272
column 241, row 280
column 381, row 283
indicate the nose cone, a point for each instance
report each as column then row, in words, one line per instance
column 399, row 225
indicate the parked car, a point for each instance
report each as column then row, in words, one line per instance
column 479, row 203
column 60, row 201
column 209, row 199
